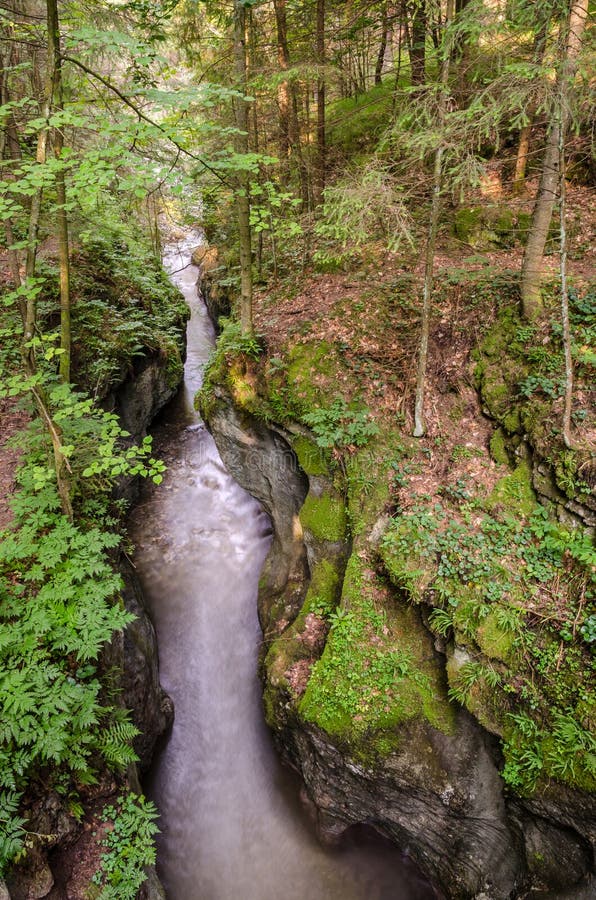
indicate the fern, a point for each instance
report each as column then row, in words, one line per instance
column 59, row 605
column 441, row 621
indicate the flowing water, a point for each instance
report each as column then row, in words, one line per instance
column 232, row 827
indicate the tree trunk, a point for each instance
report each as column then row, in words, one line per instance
column 382, row 45
column 565, row 298
column 521, row 158
column 283, row 92
column 321, row 138
column 418, row 42
column 54, row 63
column 289, row 123
column 531, row 297
column 433, row 227
column 523, row 147
column 242, row 194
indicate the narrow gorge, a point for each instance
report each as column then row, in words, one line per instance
column 230, row 815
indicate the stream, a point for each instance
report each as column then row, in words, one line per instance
column 232, row 826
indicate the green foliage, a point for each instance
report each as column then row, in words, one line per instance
column 271, row 211
column 364, row 205
column 59, row 605
column 565, row 750
column 341, row 425
column 356, row 123
column 124, row 306
column 550, row 387
column 130, row 847
column 489, row 572
column 233, row 341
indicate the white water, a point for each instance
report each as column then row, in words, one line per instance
column 232, row 826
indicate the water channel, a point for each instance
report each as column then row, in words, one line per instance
column 232, row 827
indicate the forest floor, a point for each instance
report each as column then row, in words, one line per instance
column 371, row 312
column 12, row 421
column 382, row 290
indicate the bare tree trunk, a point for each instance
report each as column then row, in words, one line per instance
column 9, row 149
column 431, row 240
column 521, row 159
column 54, row 63
column 283, row 93
column 565, row 298
column 321, row 138
column 418, row 42
column 241, row 142
column 382, row 45
column 523, row 147
column 531, row 296
column 289, row 123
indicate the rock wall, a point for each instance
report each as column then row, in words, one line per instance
column 438, row 795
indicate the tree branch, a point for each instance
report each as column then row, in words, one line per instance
column 128, row 102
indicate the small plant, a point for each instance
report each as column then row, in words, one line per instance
column 130, row 847
column 441, row 621
column 460, row 451
column 340, row 425
column 551, row 387
column 588, row 629
column 232, row 340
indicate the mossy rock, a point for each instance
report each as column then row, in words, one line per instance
column 324, row 516
column 310, row 456
column 495, row 641
column 514, row 492
column 377, row 671
column 498, row 448
column 307, row 361
column 485, row 227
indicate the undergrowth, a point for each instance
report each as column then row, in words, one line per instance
column 517, row 592
column 59, row 605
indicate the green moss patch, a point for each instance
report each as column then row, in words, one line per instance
column 324, row 516
column 514, row 492
column 310, row 457
column 498, row 448
column 377, row 670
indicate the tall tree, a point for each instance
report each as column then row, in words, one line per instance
column 570, row 46
column 321, row 161
column 242, row 147
column 382, row 43
column 55, row 67
column 417, row 12
column 433, row 226
column 542, row 16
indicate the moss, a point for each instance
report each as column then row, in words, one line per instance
column 498, row 448
column 324, row 586
column 412, row 572
column 495, row 641
column 324, row 516
column 514, row 492
column 321, row 599
column 468, row 222
column 512, row 421
column 524, row 222
column 306, row 362
column 377, row 670
column 310, row 457
column 504, row 225
column 485, row 227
